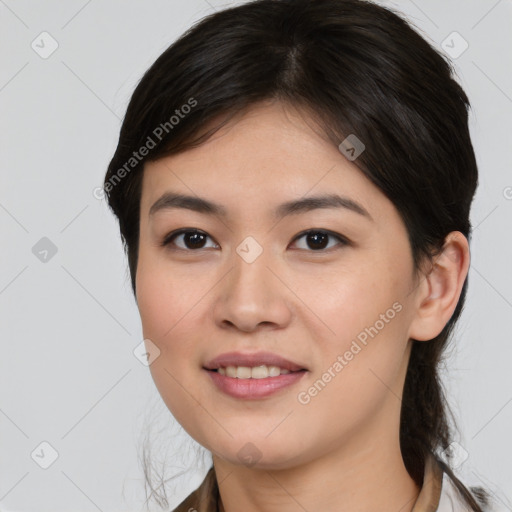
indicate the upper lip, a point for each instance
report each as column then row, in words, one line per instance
column 251, row 360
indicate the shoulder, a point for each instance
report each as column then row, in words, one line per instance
column 451, row 500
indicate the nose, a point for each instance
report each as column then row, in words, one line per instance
column 252, row 296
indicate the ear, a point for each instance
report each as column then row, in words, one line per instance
column 438, row 292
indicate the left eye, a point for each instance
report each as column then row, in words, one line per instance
column 318, row 240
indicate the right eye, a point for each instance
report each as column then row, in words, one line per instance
column 190, row 239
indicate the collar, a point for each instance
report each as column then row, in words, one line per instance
column 430, row 494
column 206, row 497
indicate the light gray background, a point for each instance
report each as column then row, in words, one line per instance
column 69, row 325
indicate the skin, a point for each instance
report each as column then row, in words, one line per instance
column 341, row 450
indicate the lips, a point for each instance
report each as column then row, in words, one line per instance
column 252, row 360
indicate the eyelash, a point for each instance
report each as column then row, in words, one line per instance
column 343, row 241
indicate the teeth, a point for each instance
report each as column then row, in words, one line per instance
column 257, row 372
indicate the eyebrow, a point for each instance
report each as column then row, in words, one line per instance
column 170, row 200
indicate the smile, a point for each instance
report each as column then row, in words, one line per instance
column 249, row 387
column 256, row 372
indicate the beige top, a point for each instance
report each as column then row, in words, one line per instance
column 206, row 497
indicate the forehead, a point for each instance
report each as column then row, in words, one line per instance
column 269, row 154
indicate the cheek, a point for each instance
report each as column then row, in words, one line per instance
column 361, row 331
column 165, row 298
column 349, row 299
column 166, row 309
column 361, row 370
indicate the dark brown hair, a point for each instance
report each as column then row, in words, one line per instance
column 355, row 68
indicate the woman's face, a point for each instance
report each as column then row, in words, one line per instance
column 338, row 302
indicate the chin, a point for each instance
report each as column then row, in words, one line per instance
column 260, row 454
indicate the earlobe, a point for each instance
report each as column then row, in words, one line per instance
column 440, row 289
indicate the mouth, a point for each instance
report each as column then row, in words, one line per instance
column 253, row 372
column 256, row 365
column 254, row 382
column 253, row 376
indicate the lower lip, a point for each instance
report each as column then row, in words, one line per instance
column 254, row 388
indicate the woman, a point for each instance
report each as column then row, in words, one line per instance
column 293, row 182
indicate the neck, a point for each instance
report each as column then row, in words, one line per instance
column 361, row 475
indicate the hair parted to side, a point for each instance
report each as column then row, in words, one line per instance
column 354, row 68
